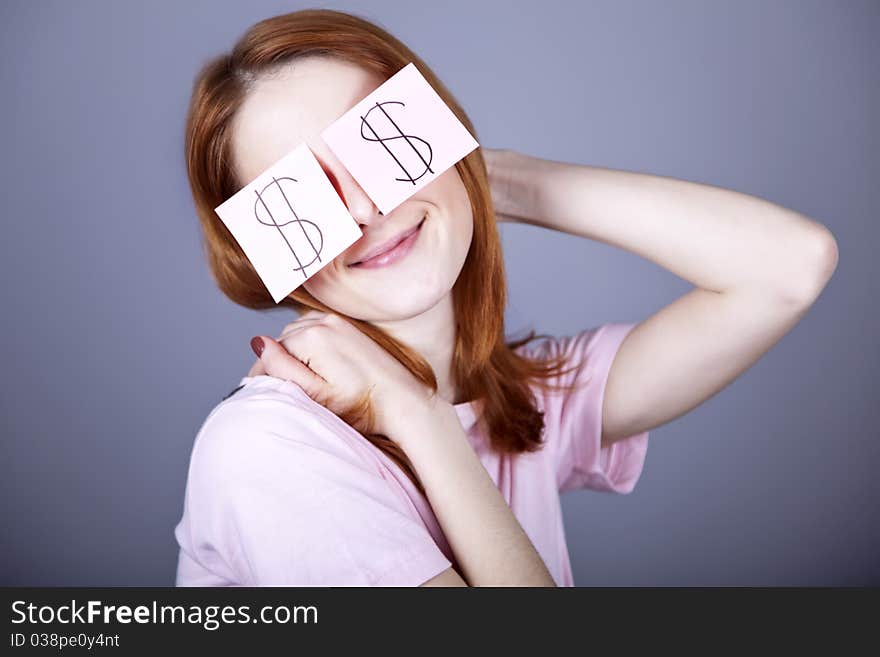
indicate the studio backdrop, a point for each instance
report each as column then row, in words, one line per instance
column 117, row 343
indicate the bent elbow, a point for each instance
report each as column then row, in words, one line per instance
column 820, row 262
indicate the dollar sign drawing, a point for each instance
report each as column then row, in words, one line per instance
column 400, row 135
column 302, row 223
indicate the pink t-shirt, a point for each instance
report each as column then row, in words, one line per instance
column 281, row 492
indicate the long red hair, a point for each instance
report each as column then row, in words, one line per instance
column 484, row 365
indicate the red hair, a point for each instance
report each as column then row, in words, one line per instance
column 484, row 365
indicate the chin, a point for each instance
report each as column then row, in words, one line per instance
column 405, row 307
column 408, row 301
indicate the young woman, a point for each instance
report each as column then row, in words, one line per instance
column 391, row 435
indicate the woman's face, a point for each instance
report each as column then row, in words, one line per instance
column 294, row 106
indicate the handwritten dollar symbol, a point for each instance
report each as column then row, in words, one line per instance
column 400, row 135
column 302, row 223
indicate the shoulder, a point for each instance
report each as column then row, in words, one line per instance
column 591, row 349
column 270, row 430
column 573, row 413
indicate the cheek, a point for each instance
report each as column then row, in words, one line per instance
column 331, row 283
column 467, row 236
column 463, row 224
column 321, row 284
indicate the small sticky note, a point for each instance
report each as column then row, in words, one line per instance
column 398, row 139
column 289, row 221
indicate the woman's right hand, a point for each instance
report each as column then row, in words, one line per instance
column 343, row 369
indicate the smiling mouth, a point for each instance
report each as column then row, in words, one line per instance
column 395, row 251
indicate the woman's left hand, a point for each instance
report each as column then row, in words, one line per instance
column 336, row 364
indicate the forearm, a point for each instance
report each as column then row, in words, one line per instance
column 490, row 545
column 715, row 238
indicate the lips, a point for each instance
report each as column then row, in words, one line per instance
column 390, row 244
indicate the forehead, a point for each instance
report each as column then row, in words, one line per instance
column 293, row 105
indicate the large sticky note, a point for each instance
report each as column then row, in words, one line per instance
column 289, row 221
column 398, row 139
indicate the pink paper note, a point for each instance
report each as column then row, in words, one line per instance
column 289, row 221
column 398, row 139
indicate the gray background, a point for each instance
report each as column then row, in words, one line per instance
column 116, row 343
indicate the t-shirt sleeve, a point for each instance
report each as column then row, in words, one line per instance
column 573, row 419
column 281, row 499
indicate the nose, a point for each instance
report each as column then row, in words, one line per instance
column 360, row 205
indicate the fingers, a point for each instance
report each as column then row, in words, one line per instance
column 276, row 360
column 308, row 318
column 257, row 368
column 280, row 363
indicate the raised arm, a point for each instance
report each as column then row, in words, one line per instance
column 757, row 267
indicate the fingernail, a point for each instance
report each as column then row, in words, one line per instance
column 257, row 345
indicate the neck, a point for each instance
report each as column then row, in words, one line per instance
column 432, row 334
